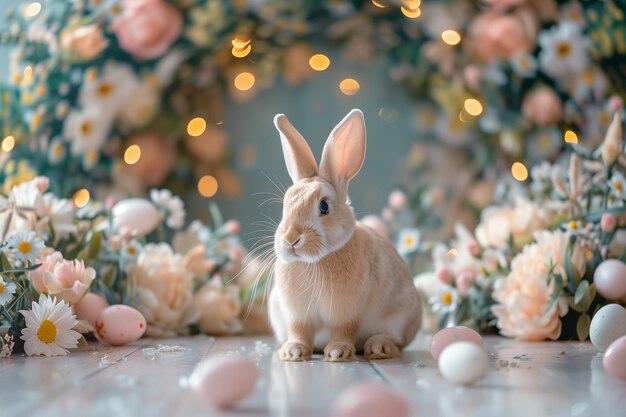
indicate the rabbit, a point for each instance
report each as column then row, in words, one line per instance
column 339, row 286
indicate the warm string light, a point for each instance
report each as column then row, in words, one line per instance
column 473, row 107
column 411, row 8
column 570, row 137
column 451, row 37
column 196, row 126
column 207, row 186
column 453, row 252
column 32, row 9
column 241, row 47
column 132, row 154
column 28, row 73
column 319, row 62
column 8, row 143
column 81, row 197
column 244, row 81
column 519, row 171
column 378, row 4
column 349, row 86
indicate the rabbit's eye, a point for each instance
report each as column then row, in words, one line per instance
column 323, row 207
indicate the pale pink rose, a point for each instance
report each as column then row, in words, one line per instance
column 85, row 41
column 42, row 183
column 523, row 296
column 473, row 247
column 464, row 282
column 376, row 223
column 543, row 106
column 219, row 308
column 498, row 35
column 387, row 214
column 608, row 222
column 397, row 200
column 157, row 159
column 69, row 280
column 147, row 28
column 232, row 227
column 616, row 103
column 443, row 273
column 471, row 75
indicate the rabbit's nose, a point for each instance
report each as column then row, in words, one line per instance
column 293, row 241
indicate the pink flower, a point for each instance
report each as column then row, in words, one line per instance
column 608, row 222
column 42, row 183
column 232, row 227
column 616, row 103
column 376, row 223
column 542, row 106
column 85, row 41
column 397, row 200
column 147, row 28
column 443, row 273
column 70, row 280
column 498, row 35
column 464, row 282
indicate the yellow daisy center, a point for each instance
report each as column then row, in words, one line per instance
column 1, row 287
column 47, row 331
column 409, row 241
column 85, row 128
column 105, row 89
column 563, row 49
column 619, row 186
column 446, row 298
column 132, row 250
column 573, row 225
column 25, row 247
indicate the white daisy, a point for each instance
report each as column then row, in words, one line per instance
column 563, row 50
column 408, row 241
column 86, row 129
column 131, row 250
column 26, row 246
column 56, row 151
column 141, row 107
column 589, row 85
column 614, row 201
column 524, row 65
column 49, row 328
column 445, row 301
column 56, row 211
column 578, row 227
column 116, row 85
column 7, row 289
column 618, row 185
column 173, row 206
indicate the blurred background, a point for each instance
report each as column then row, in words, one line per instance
column 120, row 96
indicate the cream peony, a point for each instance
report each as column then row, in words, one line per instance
column 69, row 280
column 498, row 225
column 523, row 295
column 219, row 308
column 164, row 290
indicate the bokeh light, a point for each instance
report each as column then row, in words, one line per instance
column 32, row 9
column 349, row 86
column 196, row 126
column 244, row 81
column 8, row 143
column 473, row 107
column 81, row 197
column 207, row 186
column 451, row 37
column 519, row 171
column 570, row 137
column 132, row 154
column 319, row 62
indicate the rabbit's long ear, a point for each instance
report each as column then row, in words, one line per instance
column 344, row 152
column 298, row 156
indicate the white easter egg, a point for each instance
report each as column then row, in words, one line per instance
column 607, row 325
column 90, row 307
column 463, row 363
column 138, row 214
column 221, row 382
column 610, row 279
column 120, row 324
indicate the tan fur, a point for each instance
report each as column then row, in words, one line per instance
column 342, row 287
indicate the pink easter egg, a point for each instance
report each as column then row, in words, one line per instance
column 221, row 382
column 444, row 337
column 120, row 324
column 369, row 399
column 376, row 223
column 90, row 307
column 610, row 279
column 614, row 360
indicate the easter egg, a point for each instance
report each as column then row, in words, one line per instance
column 607, row 325
column 610, row 279
column 221, row 382
column 463, row 363
column 90, row 307
column 444, row 337
column 120, row 324
column 137, row 214
column 614, row 360
column 370, row 400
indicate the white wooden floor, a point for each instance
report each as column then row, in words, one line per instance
column 525, row 379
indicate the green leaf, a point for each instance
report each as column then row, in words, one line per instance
column 582, row 326
column 108, row 278
column 82, row 343
column 581, row 292
column 95, row 245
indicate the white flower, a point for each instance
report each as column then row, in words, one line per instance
column 578, row 227
column 614, row 200
column 59, row 212
column 541, row 177
column 49, row 328
column 195, row 234
column 26, row 246
column 56, row 151
column 139, row 109
column 408, row 241
column 445, row 301
column 131, row 250
column 524, row 65
column 90, row 159
column 115, row 86
column 7, row 289
column 172, row 204
column 590, row 84
column 618, row 185
column 86, row 129
column 563, row 50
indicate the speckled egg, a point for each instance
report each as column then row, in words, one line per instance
column 369, row 399
column 120, row 324
column 610, row 279
column 90, row 307
column 444, row 337
column 607, row 325
column 221, row 382
column 614, row 360
column 137, row 214
column 463, row 363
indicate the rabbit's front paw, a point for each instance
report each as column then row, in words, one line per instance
column 294, row 351
column 380, row 346
column 339, row 352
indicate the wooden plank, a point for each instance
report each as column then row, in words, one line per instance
column 28, row 381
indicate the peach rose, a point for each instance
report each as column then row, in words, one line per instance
column 498, row 35
column 542, row 106
column 84, row 41
column 219, row 308
column 523, row 296
column 147, row 28
column 156, row 161
column 69, row 280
